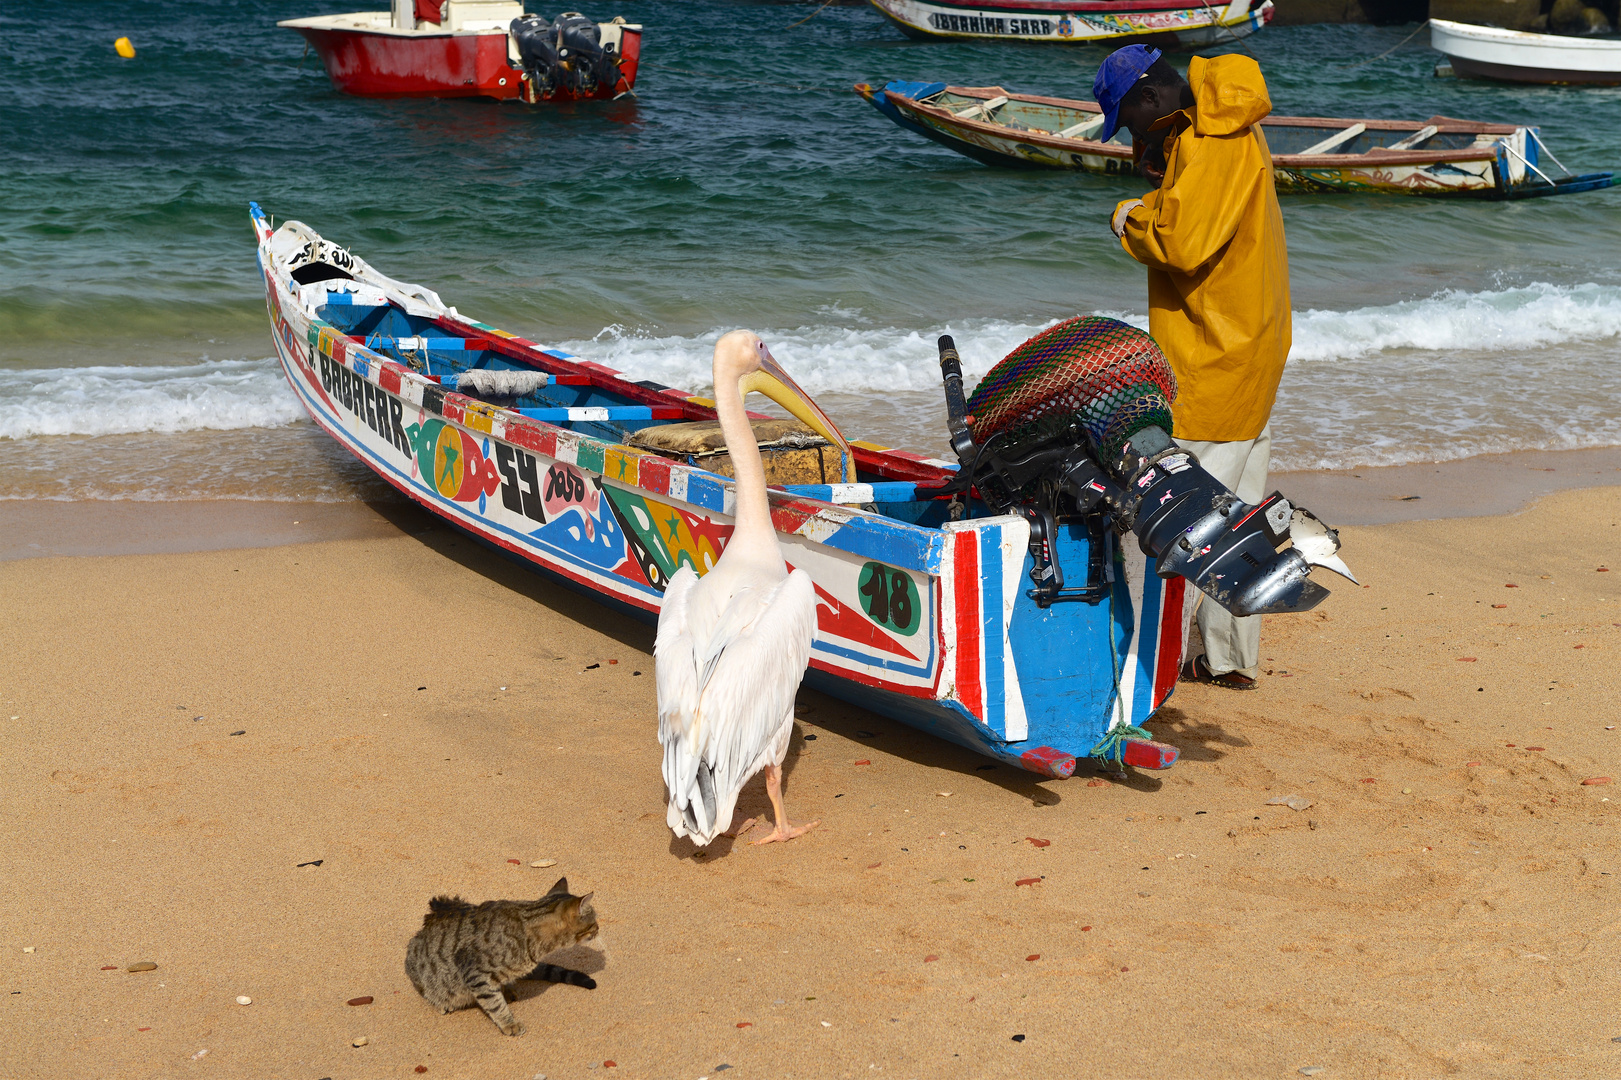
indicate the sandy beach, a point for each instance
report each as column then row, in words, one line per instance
column 253, row 766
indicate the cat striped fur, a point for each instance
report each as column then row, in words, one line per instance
column 465, row 953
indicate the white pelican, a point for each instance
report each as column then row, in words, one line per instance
column 732, row 646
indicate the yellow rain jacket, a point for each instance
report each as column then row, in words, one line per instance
column 1218, row 270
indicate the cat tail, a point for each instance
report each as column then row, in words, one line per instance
column 553, row 973
column 448, row 905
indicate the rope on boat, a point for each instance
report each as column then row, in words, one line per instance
column 1113, row 744
column 1216, row 24
column 812, row 15
column 1387, row 52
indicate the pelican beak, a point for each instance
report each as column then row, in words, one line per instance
column 776, row 384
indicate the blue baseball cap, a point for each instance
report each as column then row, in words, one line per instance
column 1117, row 74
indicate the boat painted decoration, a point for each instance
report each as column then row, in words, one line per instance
column 922, row 617
column 1164, row 23
column 1438, row 156
column 1490, row 52
column 474, row 48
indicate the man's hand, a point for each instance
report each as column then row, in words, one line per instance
column 1117, row 224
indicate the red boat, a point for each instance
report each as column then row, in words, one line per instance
column 474, row 48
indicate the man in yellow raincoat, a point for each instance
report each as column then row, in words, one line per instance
column 1211, row 236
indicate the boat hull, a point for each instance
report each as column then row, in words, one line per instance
column 1166, row 23
column 1487, row 52
column 381, row 62
column 1490, row 160
column 955, row 647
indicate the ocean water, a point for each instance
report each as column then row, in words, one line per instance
column 745, row 186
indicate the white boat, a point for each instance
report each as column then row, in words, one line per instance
column 1487, row 52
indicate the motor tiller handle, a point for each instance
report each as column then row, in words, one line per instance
column 962, row 440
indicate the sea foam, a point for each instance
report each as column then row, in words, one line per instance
column 219, row 395
column 1450, row 375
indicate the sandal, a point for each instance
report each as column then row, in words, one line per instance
column 1198, row 670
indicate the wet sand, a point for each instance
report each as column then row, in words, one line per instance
column 184, row 729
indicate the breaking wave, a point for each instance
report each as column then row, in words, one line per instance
column 220, row 395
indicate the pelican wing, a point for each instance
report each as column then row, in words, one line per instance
column 724, row 701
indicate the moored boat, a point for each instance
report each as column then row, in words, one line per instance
column 1490, row 52
column 1437, row 156
column 1173, row 24
column 474, row 48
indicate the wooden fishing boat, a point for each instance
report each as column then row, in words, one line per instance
column 1438, row 156
column 609, row 486
column 1490, row 52
column 1171, row 24
column 473, row 48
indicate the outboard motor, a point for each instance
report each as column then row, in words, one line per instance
column 538, row 52
column 565, row 55
column 1076, row 422
column 579, row 42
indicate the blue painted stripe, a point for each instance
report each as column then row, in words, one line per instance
column 883, row 491
column 990, row 630
column 590, row 412
column 706, row 492
column 893, row 542
column 442, row 344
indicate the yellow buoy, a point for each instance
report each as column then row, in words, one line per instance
column 124, row 48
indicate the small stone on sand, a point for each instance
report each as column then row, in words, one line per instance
column 543, row 863
column 361, row 1000
column 362, row 1041
column 243, row 999
column 1311, row 1070
column 1591, row 780
column 1018, row 1038
column 144, row 965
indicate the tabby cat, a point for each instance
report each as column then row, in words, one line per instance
column 466, row 953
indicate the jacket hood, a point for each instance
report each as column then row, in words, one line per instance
column 1229, row 94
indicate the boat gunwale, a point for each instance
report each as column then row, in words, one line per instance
column 456, row 408
column 1503, row 36
column 1059, row 8
column 326, row 23
column 1379, row 155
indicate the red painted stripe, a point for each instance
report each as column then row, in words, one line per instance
column 965, row 584
column 389, row 377
column 653, row 474
column 1169, row 652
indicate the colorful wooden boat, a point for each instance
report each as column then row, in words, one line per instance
column 1438, row 156
column 473, row 48
column 1173, row 24
column 1490, row 52
column 923, row 618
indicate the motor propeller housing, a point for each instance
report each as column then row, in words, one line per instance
column 1077, row 422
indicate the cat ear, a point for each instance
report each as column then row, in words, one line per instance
column 585, row 901
column 560, row 887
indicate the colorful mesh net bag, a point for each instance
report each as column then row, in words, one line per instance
column 1101, row 375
